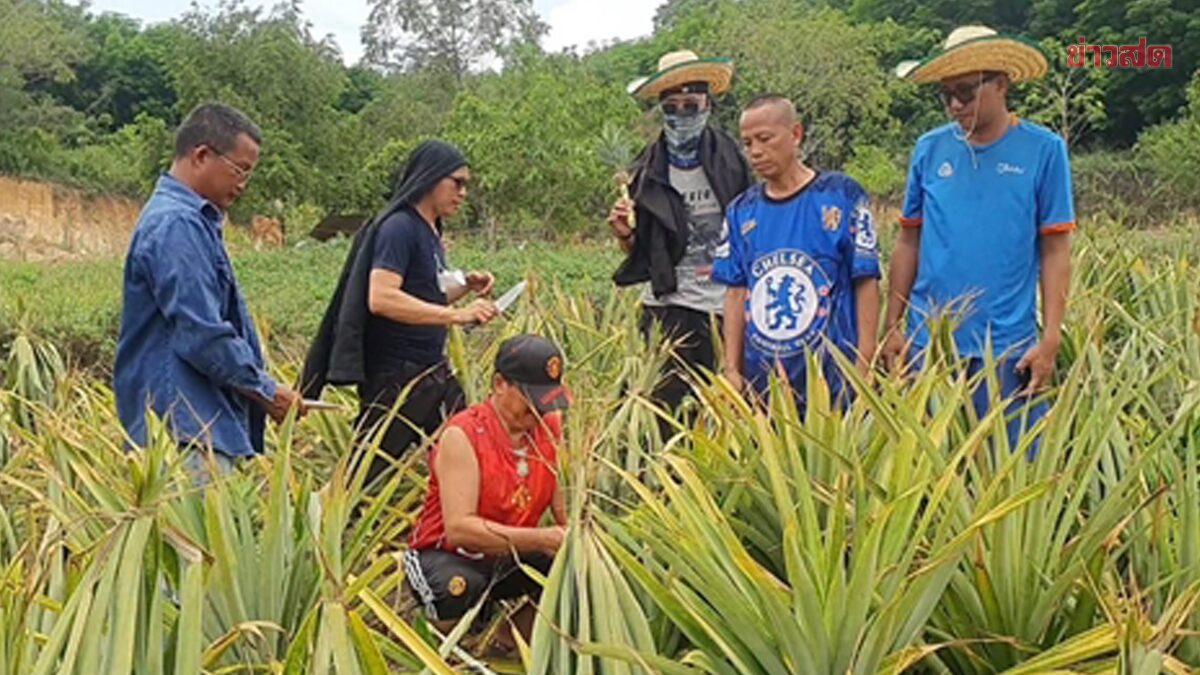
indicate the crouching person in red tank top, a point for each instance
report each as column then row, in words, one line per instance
column 492, row 476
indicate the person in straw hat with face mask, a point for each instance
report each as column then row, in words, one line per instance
column 987, row 216
column 673, row 223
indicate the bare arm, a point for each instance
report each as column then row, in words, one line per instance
column 866, row 300
column 458, row 476
column 901, row 274
column 1056, row 284
column 734, row 331
column 385, row 299
column 559, row 506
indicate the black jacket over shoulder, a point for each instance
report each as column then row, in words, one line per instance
column 661, row 215
column 338, row 353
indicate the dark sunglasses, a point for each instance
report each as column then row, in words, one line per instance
column 460, row 183
column 689, row 108
column 964, row 93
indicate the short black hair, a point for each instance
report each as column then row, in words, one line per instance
column 216, row 125
column 767, row 99
column 776, row 100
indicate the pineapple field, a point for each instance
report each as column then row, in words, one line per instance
column 901, row 535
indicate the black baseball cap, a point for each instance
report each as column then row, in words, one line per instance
column 535, row 365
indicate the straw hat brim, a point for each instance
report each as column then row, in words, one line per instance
column 718, row 73
column 1020, row 59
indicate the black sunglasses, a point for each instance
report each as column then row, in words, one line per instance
column 688, row 108
column 964, row 93
column 460, row 183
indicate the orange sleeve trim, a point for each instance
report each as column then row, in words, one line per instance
column 911, row 222
column 1056, row 228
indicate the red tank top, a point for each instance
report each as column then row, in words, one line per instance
column 504, row 496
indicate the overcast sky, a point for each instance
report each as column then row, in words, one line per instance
column 572, row 22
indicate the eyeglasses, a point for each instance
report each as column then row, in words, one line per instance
column 687, row 108
column 241, row 172
column 460, row 182
column 964, row 93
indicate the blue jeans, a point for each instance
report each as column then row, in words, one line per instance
column 1021, row 411
column 196, row 464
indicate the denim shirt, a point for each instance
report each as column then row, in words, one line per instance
column 187, row 346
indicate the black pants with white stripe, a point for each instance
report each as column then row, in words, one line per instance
column 448, row 584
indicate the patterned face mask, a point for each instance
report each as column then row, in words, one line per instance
column 683, row 132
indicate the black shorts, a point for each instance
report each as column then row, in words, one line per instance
column 448, row 584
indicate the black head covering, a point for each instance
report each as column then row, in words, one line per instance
column 337, row 354
column 427, row 165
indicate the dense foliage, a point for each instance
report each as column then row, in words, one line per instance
column 90, row 99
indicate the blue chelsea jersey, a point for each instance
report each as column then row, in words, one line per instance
column 798, row 258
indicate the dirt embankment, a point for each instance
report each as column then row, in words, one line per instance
column 43, row 221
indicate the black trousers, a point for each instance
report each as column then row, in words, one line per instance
column 693, row 329
column 448, row 584
column 434, row 396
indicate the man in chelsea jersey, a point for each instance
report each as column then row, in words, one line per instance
column 802, row 263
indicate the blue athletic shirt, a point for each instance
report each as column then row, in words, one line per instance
column 799, row 257
column 980, row 220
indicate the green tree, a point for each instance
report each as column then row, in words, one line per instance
column 1172, row 151
column 451, row 35
column 945, row 15
column 671, row 11
column 534, row 136
column 1138, row 98
column 363, row 86
column 1068, row 100
column 37, row 48
column 237, row 55
column 824, row 63
column 124, row 74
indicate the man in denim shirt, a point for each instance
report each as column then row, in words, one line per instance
column 187, row 349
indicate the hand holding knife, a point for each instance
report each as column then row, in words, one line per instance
column 505, row 301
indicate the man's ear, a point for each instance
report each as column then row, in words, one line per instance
column 1002, row 84
column 198, row 153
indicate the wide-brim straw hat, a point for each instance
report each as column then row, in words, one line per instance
column 679, row 68
column 972, row 49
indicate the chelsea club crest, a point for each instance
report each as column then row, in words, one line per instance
column 789, row 304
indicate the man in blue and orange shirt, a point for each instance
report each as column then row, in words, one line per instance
column 987, row 215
